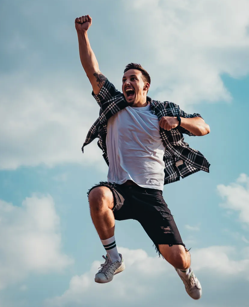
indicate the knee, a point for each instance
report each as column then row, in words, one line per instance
column 178, row 256
column 100, row 198
column 182, row 260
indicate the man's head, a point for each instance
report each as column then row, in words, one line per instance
column 135, row 84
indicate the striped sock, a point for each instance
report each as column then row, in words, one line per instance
column 111, row 249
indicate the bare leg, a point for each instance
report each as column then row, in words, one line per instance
column 179, row 257
column 176, row 255
column 101, row 203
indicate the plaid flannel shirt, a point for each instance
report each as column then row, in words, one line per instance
column 180, row 160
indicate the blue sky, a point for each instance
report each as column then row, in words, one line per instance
column 197, row 55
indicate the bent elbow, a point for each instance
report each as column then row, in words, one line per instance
column 205, row 130
column 209, row 130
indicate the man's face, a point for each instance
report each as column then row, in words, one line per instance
column 134, row 87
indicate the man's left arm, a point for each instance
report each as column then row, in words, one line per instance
column 195, row 125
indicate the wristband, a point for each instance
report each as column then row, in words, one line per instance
column 179, row 119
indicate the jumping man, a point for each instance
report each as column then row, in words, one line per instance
column 142, row 142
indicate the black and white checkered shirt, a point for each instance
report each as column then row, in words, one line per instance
column 180, row 160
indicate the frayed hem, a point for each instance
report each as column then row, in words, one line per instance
column 169, row 244
column 157, row 251
column 101, row 184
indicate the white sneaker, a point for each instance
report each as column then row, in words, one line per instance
column 109, row 269
column 192, row 284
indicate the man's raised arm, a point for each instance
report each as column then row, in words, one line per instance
column 87, row 56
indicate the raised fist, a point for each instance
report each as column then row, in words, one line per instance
column 83, row 23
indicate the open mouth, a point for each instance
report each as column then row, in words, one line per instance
column 130, row 93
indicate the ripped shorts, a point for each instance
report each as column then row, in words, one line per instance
column 148, row 207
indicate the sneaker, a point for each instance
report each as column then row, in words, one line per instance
column 109, row 269
column 192, row 284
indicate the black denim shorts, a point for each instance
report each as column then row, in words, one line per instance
column 148, row 207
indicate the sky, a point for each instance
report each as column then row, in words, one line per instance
column 197, row 55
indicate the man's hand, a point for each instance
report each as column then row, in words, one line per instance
column 168, row 122
column 82, row 24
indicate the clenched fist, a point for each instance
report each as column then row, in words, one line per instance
column 168, row 122
column 83, row 23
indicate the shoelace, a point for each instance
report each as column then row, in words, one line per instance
column 106, row 266
column 192, row 282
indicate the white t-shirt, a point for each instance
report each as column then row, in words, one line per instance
column 135, row 149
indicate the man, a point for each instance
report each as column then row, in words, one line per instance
column 142, row 143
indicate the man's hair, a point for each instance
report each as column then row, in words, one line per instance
column 138, row 67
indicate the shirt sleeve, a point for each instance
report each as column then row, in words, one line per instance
column 177, row 110
column 107, row 92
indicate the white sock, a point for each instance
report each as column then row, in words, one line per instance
column 111, row 249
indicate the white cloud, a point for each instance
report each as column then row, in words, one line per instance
column 236, row 197
column 218, row 260
column 189, row 44
column 141, row 270
column 144, row 277
column 31, row 241
column 44, row 123
column 185, row 45
column 192, row 228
